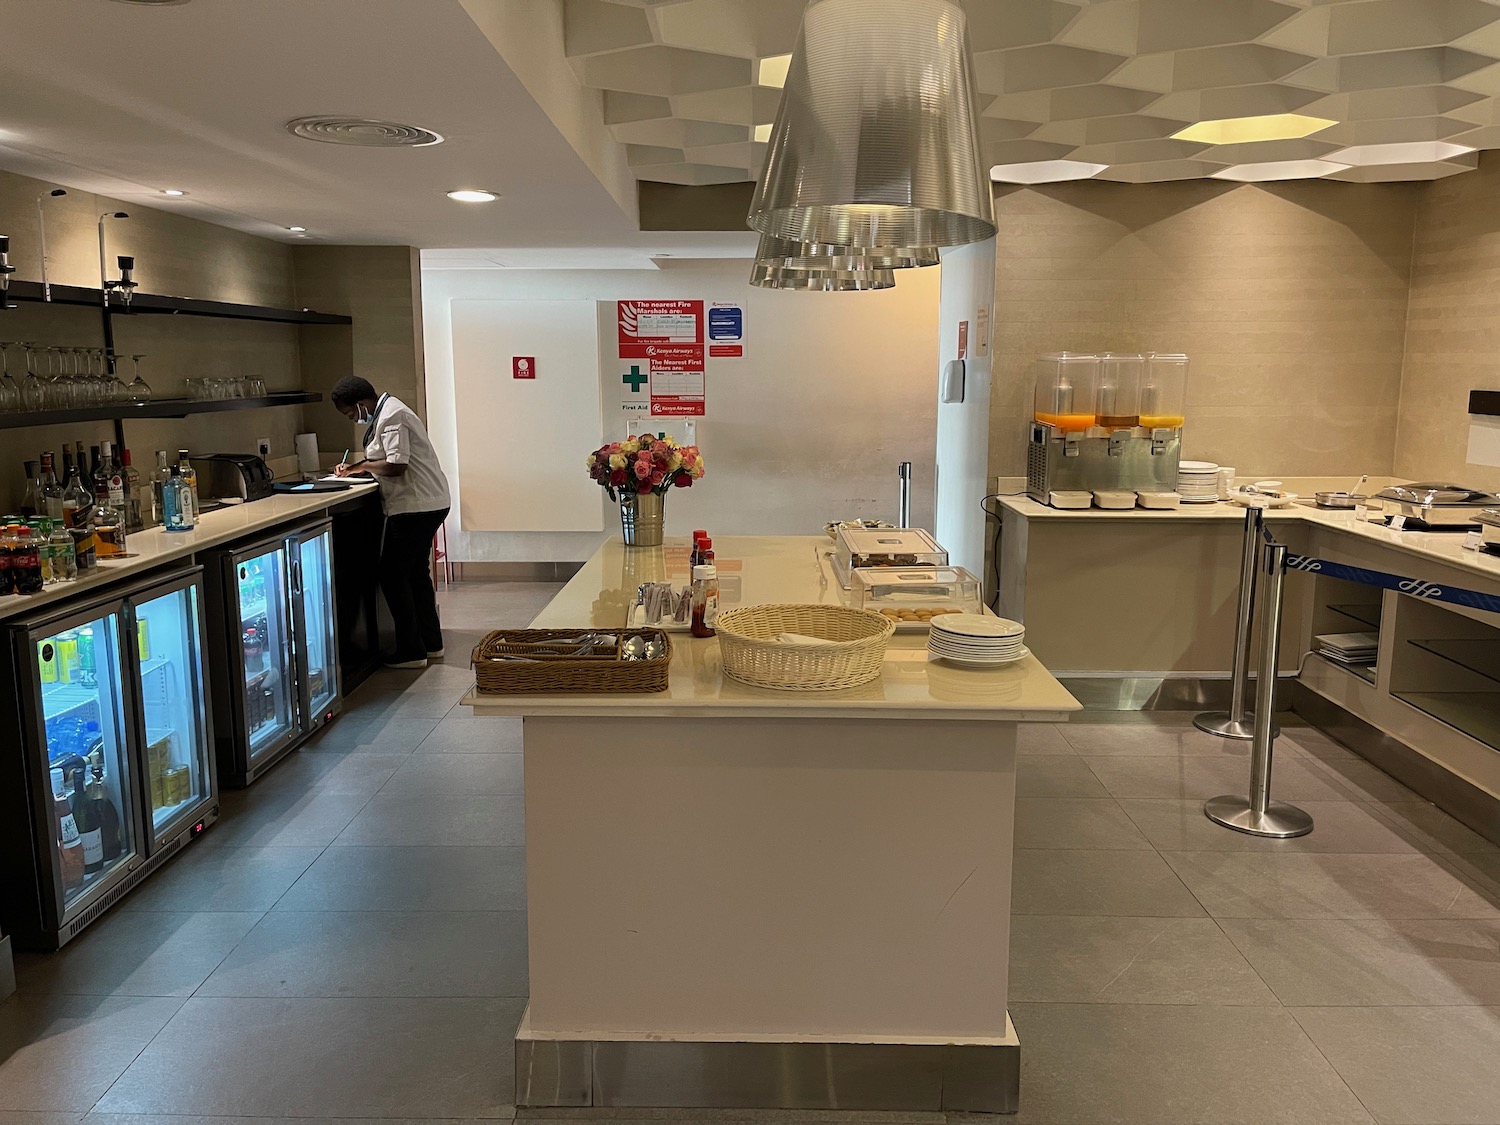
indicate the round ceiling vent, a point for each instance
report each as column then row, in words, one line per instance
column 360, row 131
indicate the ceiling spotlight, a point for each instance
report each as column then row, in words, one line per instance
column 173, row 191
column 296, row 230
column 473, row 195
column 1279, row 170
column 1248, row 130
column 1045, row 172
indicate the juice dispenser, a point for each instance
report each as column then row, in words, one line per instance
column 1164, row 392
column 1119, row 398
column 1111, row 422
column 1066, row 384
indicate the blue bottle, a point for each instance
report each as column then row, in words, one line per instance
column 176, row 502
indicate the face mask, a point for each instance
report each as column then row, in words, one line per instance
column 362, row 415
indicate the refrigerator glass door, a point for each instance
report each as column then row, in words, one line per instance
column 84, row 714
column 169, row 645
column 315, row 561
column 265, row 635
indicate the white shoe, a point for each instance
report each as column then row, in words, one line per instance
column 434, row 654
column 408, row 665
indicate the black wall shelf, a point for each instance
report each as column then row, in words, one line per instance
column 161, row 408
column 151, row 304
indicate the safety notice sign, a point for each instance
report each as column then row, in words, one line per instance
column 646, row 324
column 677, row 380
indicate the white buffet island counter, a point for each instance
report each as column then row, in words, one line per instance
column 745, row 897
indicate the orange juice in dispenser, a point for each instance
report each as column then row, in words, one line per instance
column 1066, row 384
column 1164, row 392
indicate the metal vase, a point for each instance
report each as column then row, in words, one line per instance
column 642, row 516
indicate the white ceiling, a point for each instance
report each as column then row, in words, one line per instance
column 125, row 99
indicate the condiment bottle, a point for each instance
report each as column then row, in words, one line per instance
column 705, row 600
column 696, row 558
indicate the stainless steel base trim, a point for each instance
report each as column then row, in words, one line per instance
column 1455, row 796
column 893, row 1077
column 1222, row 724
column 1280, row 821
column 1159, row 692
column 515, row 571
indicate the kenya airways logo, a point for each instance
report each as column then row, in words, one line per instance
column 629, row 318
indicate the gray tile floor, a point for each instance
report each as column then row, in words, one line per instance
column 349, row 942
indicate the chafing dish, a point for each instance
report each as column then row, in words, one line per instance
column 1436, row 504
column 1489, row 528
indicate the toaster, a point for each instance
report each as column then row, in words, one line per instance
column 232, row 476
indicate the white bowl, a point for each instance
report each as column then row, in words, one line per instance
column 1114, row 499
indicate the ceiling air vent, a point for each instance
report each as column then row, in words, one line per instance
column 359, row 131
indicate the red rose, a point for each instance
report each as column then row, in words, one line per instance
column 682, row 480
column 644, row 487
column 617, row 477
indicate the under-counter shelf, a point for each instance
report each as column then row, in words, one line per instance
column 1482, row 656
column 157, row 304
column 1365, row 672
column 1365, row 614
column 1474, row 713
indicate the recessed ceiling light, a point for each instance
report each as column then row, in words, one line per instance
column 1414, row 152
column 763, row 133
column 173, row 191
column 296, row 230
column 1279, row 170
column 473, row 195
column 772, row 71
column 1247, row 130
column 1045, row 172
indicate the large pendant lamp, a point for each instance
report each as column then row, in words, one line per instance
column 769, row 275
column 822, row 255
column 875, row 143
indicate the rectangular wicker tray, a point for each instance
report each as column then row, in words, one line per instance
column 553, row 674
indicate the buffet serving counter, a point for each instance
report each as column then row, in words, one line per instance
column 742, row 897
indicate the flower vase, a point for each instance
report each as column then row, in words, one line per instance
column 641, row 518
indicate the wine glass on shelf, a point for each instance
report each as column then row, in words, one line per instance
column 33, row 393
column 10, row 390
column 115, row 389
column 139, row 390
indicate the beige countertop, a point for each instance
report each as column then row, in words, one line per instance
column 1445, row 547
column 757, row 570
column 154, row 547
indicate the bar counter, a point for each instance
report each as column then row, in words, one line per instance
column 740, row 897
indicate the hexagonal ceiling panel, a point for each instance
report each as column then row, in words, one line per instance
column 691, row 87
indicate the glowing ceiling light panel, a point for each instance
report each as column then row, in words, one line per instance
column 772, row 71
column 1279, row 170
column 762, row 133
column 1045, row 172
column 1247, row 130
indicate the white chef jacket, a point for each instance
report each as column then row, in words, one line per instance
column 396, row 435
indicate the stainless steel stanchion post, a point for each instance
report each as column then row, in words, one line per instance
column 903, row 512
column 1258, row 815
column 1236, row 722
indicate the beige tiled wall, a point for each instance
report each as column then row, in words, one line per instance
column 1290, row 299
column 1453, row 327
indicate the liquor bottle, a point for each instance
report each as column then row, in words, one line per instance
column 109, row 529
column 69, row 845
column 176, row 502
column 31, row 498
column 94, row 466
column 64, row 558
column 135, row 517
column 52, row 492
column 111, row 838
column 190, row 475
column 158, row 479
column 77, row 501
column 25, row 562
column 86, row 815
column 112, row 476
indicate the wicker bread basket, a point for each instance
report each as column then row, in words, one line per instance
column 752, row 655
column 544, row 672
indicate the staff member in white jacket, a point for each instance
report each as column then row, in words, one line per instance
column 416, row 498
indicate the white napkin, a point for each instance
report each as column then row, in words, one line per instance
column 802, row 639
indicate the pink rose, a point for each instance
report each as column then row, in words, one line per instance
column 642, row 470
column 657, row 478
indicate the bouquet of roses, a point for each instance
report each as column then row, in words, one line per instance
column 644, row 464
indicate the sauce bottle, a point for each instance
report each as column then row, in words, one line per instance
column 705, row 600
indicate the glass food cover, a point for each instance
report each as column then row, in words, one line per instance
column 901, row 546
column 1067, row 385
column 916, row 593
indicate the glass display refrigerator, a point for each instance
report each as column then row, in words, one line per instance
column 106, row 752
column 272, row 615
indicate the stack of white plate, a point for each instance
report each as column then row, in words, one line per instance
column 977, row 641
column 1198, row 482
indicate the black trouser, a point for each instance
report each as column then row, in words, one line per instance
column 406, row 581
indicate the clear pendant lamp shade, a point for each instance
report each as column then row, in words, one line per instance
column 823, row 255
column 876, row 142
column 768, row 275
